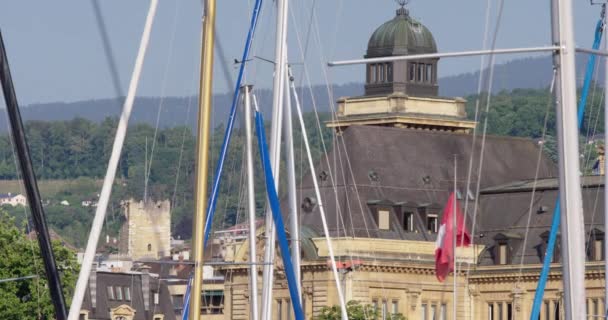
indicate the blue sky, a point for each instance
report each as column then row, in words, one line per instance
column 56, row 52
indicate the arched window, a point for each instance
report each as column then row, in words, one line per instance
column 149, row 247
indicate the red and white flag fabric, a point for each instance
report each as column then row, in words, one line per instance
column 444, row 251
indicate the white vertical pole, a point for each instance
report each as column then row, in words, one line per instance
column 294, row 227
column 253, row 269
column 106, row 190
column 454, row 234
column 605, row 176
column 572, row 225
column 313, row 174
column 275, row 149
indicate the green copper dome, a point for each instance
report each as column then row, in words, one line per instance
column 400, row 36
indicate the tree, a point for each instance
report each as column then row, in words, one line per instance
column 356, row 311
column 19, row 257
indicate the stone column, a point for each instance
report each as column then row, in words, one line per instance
column 518, row 304
column 413, row 308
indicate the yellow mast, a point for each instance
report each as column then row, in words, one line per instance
column 202, row 155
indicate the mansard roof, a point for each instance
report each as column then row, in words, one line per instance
column 405, row 169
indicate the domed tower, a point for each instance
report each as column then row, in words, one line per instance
column 402, row 94
column 400, row 36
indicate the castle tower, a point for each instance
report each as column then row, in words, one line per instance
column 147, row 232
column 402, row 93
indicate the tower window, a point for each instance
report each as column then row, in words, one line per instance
column 429, row 73
column 412, row 70
column 389, row 72
column 149, row 247
column 431, row 223
column 383, row 220
column 420, row 72
column 372, row 73
column 381, row 73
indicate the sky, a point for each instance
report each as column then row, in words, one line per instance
column 56, row 52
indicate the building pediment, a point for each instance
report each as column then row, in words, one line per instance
column 122, row 310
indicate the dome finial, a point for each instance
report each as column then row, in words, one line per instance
column 402, row 11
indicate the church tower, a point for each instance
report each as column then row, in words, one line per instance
column 402, row 93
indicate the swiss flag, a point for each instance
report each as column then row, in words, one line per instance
column 444, row 252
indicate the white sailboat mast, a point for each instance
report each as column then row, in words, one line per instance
column 253, row 269
column 294, row 228
column 572, row 225
column 605, row 173
column 275, row 149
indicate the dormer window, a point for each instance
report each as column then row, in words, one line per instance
column 383, row 219
column 556, row 250
column 431, row 223
column 504, row 248
column 408, row 221
column 503, row 253
column 595, row 247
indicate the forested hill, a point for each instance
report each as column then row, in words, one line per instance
column 527, row 73
column 530, row 73
column 175, row 111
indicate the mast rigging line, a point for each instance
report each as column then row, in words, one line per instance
column 313, row 175
column 31, row 186
column 555, row 224
column 106, row 190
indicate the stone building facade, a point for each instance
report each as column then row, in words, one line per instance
column 146, row 233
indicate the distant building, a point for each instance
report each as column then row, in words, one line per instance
column 146, row 233
column 13, row 199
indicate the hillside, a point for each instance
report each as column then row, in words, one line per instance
column 528, row 73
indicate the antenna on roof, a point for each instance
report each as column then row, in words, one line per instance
column 402, row 3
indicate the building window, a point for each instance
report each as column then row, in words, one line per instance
column 408, row 221
column 110, row 290
column 420, row 72
column 429, row 73
column 423, row 311
column 149, row 247
column 127, row 293
column 490, row 311
column 279, row 309
column 381, row 73
column 503, row 253
column 395, row 307
column 412, row 71
column 375, row 305
column 156, row 298
column 598, row 250
column 118, row 293
column 431, row 223
column 213, row 302
column 389, row 72
column 383, row 220
column 178, row 303
column 158, row 317
column 384, row 310
column 443, row 312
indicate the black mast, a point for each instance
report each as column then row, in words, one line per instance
column 31, row 186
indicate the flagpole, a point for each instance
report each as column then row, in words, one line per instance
column 454, row 233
